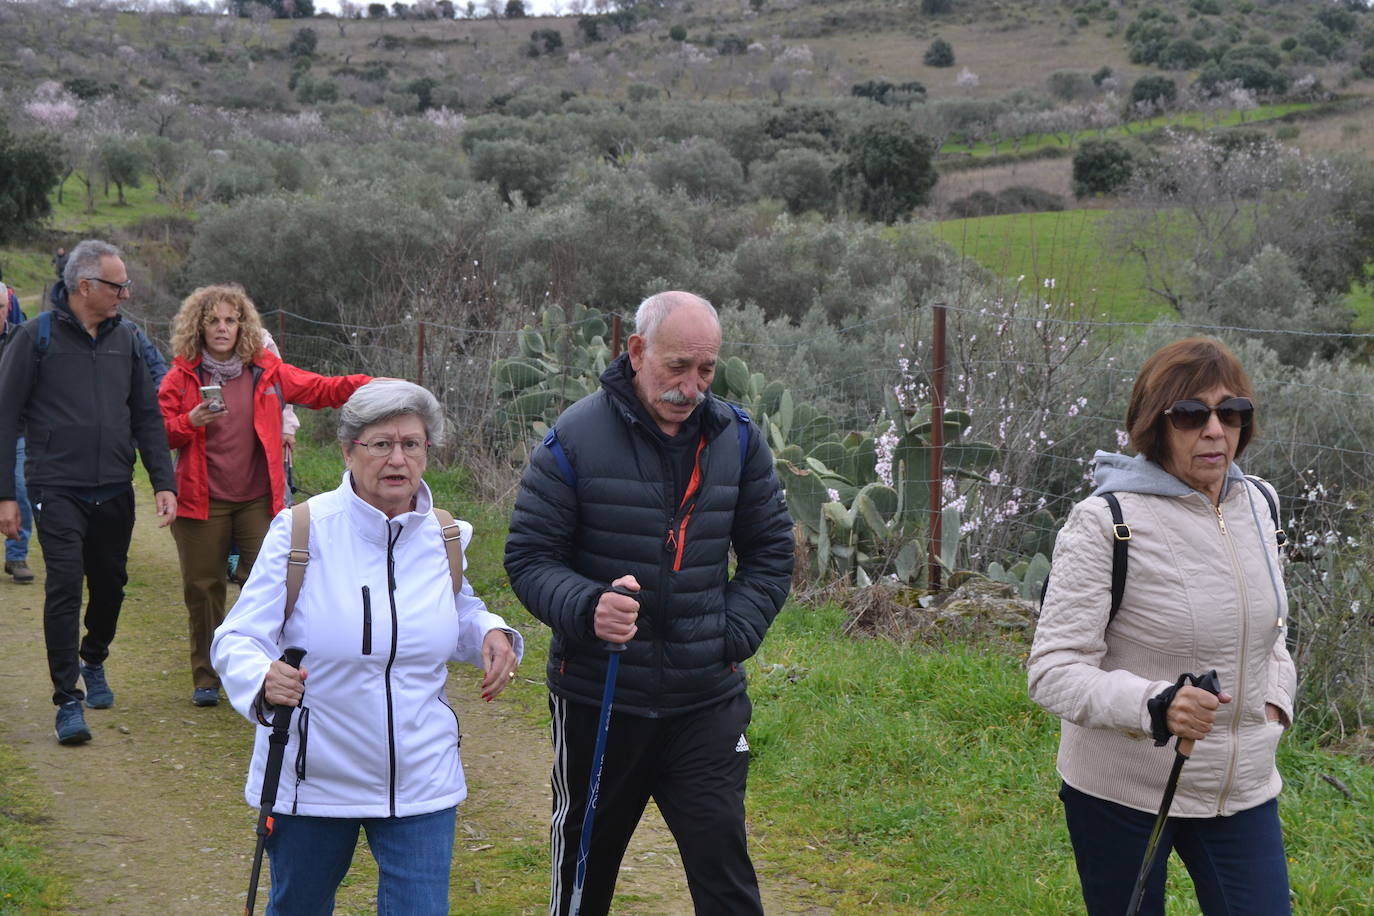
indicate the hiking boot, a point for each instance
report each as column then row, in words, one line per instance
column 19, row 569
column 71, row 724
column 98, row 692
column 206, row 696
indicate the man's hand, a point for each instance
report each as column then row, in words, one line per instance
column 614, row 619
column 1193, row 711
column 9, row 518
column 166, row 502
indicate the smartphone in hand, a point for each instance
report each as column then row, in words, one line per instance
column 213, row 396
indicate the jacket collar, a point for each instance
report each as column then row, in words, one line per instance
column 373, row 525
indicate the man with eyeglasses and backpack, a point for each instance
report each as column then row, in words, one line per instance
column 75, row 383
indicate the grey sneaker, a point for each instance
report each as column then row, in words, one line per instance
column 19, row 569
column 98, row 692
column 71, row 724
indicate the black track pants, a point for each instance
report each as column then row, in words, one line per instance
column 693, row 766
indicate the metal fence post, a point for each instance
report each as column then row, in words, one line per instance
column 420, row 354
column 937, row 449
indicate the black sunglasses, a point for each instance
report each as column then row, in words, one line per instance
column 1190, row 414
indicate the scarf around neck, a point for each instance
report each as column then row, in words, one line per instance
column 220, row 371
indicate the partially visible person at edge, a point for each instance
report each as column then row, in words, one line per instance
column 379, row 617
column 82, row 406
column 659, row 500
column 230, row 478
column 17, row 549
column 1204, row 589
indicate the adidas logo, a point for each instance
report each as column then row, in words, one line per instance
column 741, row 746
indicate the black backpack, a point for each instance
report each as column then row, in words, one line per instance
column 1121, row 540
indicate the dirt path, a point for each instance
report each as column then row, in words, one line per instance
column 149, row 817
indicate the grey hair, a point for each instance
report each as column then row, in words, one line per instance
column 659, row 306
column 382, row 399
column 84, row 261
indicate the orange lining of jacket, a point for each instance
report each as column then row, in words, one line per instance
column 678, row 539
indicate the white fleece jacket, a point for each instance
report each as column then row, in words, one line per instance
column 379, row 738
column 1204, row 590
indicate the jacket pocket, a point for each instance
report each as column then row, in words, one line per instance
column 367, row 621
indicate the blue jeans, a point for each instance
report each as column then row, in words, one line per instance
column 16, row 551
column 1237, row 863
column 309, row 856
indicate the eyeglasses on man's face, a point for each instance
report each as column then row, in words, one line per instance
column 121, row 289
column 382, row 448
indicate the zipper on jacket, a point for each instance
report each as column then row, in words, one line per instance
column 1238, row 700
column 302, row 745
column 367, row 620
column 391, row 660
column 676, row 542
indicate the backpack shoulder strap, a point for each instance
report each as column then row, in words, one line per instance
column 298, row 557
column 1121, row 540
column 44, row 336
column 564, row 465
column 1280, row 537
column 453, row 546
column 744, row 423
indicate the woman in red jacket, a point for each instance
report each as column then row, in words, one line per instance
column 230, row 480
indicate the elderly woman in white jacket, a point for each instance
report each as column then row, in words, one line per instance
column 1204, row 590
column 374, row 745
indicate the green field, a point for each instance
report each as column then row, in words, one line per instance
column 1061, row 257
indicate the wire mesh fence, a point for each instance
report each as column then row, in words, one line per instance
column 1045, row 388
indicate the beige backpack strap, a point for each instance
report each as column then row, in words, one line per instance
column 453, row 544
column 298, row 557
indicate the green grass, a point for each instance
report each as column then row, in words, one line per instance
column 918, row 779
column 27, row 878
column 1064, row 248
column 1188, row 119
column 29, row 273
column 1361, row 301
column 71, row 214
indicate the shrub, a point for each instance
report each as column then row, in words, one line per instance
column 32, row 166
column 1157, row 89
column 1182, row 54
column 939, row 54
column 1015, row 199
column 800, row 178
column 303, row 43
column 1069, row 85
column 700, row 167
column 1100, row 167
column 889, row 170
column 1367, row 63
column 887, row 93
column 678, row 33
column 515, row 166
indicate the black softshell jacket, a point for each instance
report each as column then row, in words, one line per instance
column 696, row 622
column 80, row 408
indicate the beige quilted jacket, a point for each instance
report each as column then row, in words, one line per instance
column 1204, row 590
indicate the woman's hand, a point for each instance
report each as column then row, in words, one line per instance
column 202, row 414
column 1274, row 714
column 498, row 661
column 1193, row 712
column 284, row 685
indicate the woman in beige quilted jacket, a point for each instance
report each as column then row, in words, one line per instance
column 1204, row 590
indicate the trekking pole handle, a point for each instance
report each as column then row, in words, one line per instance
column 1210, row 683
column 293, row 656
column 619, row 590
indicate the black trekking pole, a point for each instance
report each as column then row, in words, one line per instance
column 271, row 775
column 603, row 726
column 1183, row 749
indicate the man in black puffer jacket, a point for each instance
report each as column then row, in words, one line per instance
column 647, row 485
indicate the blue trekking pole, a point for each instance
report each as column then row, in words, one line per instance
column 603, row 726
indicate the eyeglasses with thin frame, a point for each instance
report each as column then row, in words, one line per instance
column 1191, row 414
column 382, row 448
column 121, row 289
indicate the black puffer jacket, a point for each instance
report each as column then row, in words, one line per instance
column 82, row 407
column 696, row 623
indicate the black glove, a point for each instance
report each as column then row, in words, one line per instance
column 1159, row 704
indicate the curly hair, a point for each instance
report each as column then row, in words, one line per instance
column 188, row 331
